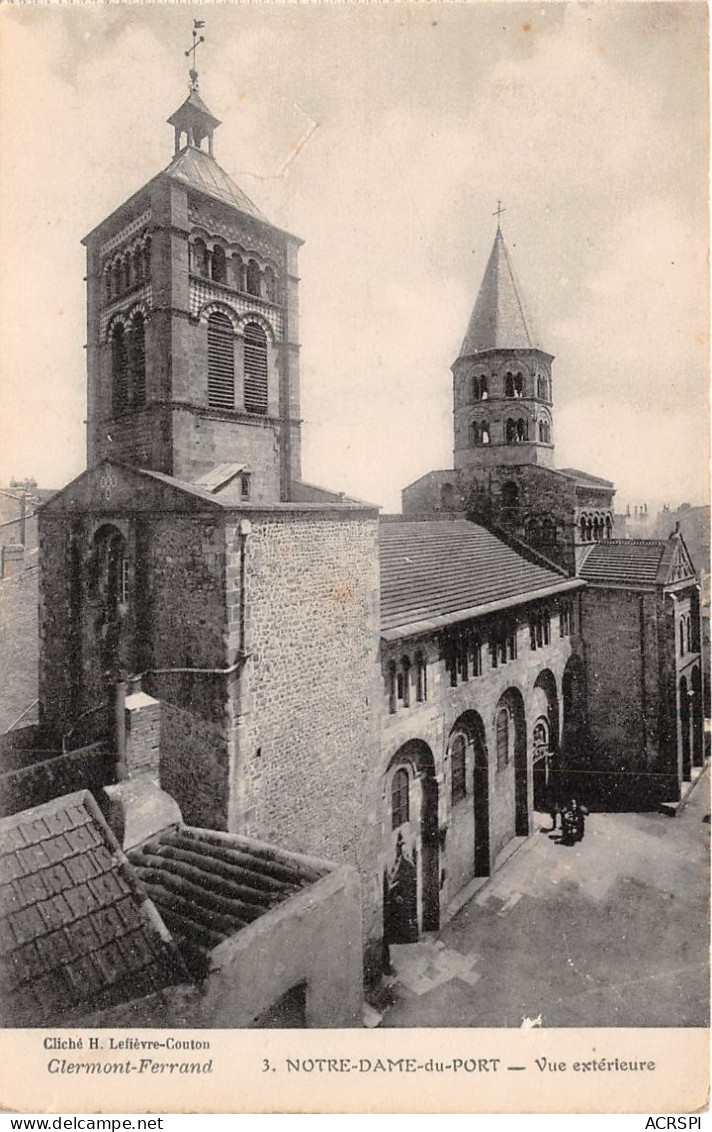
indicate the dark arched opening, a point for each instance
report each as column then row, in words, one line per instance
column 411, row 874
column 546, row 768
column 511, row 736
column 470, row 838
column 696, row 709
column 685, row 730
column 573, row 735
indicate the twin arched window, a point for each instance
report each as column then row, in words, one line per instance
column 479, row 433
column 480, row 391
column 513, row 385
column 128, row 270
column 221, row 365
column 544, row 431
column 542, row 387
column 128, row 365
column 516, row 431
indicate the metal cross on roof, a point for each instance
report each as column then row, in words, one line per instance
column 499, row 211
column 197, row 39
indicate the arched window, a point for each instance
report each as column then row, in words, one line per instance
column 541, row 735
column 509, row 385
column 510, row 494
column 475, row 389
column 484, row 389
column 474, row 433
column 238, row 273
column 270, row 282
column 200, row 258
column 137, row 360
column 119, row 371
column 458, row 768
column 126, row 272
column 255, row 369
column 116, row 278
column 522, row 430
column 421, row 678
column 582, row 525
column 544, row 431
column 511, row 432
column 400, row 798
column 404, row 689
column 518, row 385
column 254, row 280
column 689, row 632
column 392, row 687
column 107, row 285
column 111, row 577
column 138, row 265
column 609, row 526
column 502, row 738
column 682, row 637
column 218, row 265
column 221, row 362
column 484, row 435
column 541, row 387
column 147, row 258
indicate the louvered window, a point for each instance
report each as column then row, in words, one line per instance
column 221, row 362
column 255, row 369
column 137, row 347
column 400, row 798
column 119, row 371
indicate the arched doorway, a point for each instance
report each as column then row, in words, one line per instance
column 573, row 730
column 411, row 902
column 696, row 711
column 545, row 741
column 511, row 778
column 685, row 730
column 468, row 786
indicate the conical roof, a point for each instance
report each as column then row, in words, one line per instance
column 500, row 320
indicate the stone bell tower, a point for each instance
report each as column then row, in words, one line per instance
column 502, row 378
column 192, row 314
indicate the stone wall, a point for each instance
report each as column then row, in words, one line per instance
column 305, row 708
column 472, row 704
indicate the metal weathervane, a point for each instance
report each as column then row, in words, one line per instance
column 197, row 40
column 499, row 210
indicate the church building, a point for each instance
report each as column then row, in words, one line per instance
column 395, row 693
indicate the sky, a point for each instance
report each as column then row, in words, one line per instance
column 384, row 135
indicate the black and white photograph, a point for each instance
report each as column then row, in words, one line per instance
column 354, row 520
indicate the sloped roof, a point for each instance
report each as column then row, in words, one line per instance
column 75, row 929
column 638, row 562
column 218, row 477
column 208, row 885
column 437, row 571
column 499, row 320
column 193, row 107
column 586, row 477
column 198, row 169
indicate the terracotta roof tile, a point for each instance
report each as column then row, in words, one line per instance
column 208, row 885
column 62, row 922
column 624, row 561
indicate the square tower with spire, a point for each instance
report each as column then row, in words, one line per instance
column 192, row 312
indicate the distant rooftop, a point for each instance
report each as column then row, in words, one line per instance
column 638, row 562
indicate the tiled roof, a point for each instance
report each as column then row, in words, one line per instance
column 637, row 562
column 198, row 169
column 586, row 477
column 436, row 570
column 74, row 926
column 500, row 320
column 208, row 885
